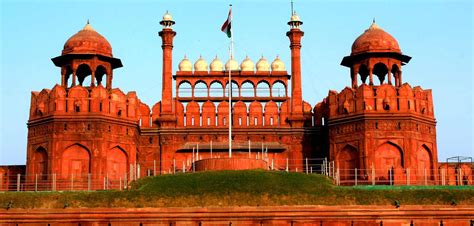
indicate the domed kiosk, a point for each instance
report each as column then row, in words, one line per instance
column 86, row 53
column 375, row 52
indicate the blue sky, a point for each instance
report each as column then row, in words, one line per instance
column 437, row 34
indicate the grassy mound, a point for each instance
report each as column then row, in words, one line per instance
column 240, row 188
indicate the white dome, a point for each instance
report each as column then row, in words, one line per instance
column 217, row 65
column 201, row 65
column 185, row 64
column 232, row 65
column 278, row 65
column 263, row 65
column 167, row 16
column 247, row 64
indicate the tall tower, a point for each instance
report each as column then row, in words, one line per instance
column 167, row 117
column 296, row 106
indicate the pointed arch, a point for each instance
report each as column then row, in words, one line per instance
column 40, row 162
column 424, row 163
column 279, row 89
column 347, row 160
column 381, row 70
column 185, row 89
column 263, row 89
column 216, row 89
column 117, row 161
column 200, row 89
column 75, row 160
column 388, row 157
column 84, row 72
column 247, row 89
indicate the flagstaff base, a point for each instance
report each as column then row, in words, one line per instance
column 215, row 164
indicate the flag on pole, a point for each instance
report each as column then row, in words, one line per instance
column 226, row 27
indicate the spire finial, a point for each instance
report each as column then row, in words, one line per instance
column 373, row 20
column 292, row 12
column 87, row 20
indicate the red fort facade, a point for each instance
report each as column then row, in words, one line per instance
column 85, row 127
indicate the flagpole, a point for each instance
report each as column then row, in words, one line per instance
column 230, row 86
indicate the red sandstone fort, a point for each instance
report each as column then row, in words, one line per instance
column 379, row 125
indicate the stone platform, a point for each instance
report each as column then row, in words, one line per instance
column 230, row 164
column 249, row 216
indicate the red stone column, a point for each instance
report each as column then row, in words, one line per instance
column 167, row 35
column 296, row 118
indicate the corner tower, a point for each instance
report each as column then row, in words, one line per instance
column 385, row 130
column 83, row 131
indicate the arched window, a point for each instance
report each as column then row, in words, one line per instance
column 364, row 73
column 263, row 89
column 67, row 76
column 185, row 89
column 200, row 89
column 100, row 71
column 380, row 70
column 278, row 89
column 216, row 89
column 235, row 89
column 396, row 74
column 83, row 75
column 247, row 89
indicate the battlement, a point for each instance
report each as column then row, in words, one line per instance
column 80, row 100
column 380, row 99
column 211, row 114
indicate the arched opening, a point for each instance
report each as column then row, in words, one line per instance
column 380, row 70
column 396, row 74
column 116, row 164
column 67, row 76
column 363, row 73
column 185, row 89
column 83, row 74
column 200, row 89
column 40, row 159
column 388, row 157
column 278, row 89
column 235, row 89
column 263, row 89
column 348, row 161
column 100, row 71
column 216, row 89
column 75, row 161
column 424, row 166
column 247, row 89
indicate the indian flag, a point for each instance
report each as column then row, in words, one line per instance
column 226, row 28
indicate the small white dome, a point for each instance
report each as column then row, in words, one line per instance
column 247, row 65
column 278, row 65
column 167, row 16
column 232, row 65
column 295, row 17
column 185, row 64
column 217, row 65
column 263, row 65
column 201, row 65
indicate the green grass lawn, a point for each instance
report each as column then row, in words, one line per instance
column 241, row 188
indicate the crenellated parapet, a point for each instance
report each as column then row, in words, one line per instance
column 382, row 99
column 82, row 101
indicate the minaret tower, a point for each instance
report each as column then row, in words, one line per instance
column 295, row 34
column 167, row 117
